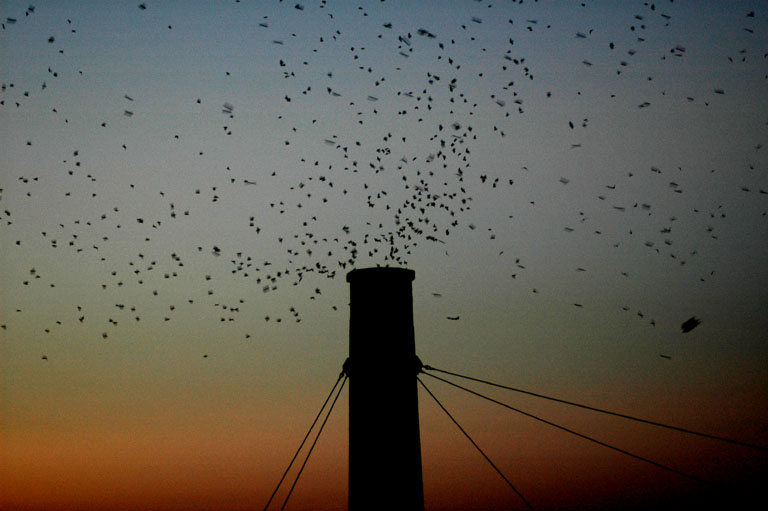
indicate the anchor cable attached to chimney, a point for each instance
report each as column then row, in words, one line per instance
column 608, row 412
column 567, row 430
column 339, row 379
column 312, row 447
column 528, row 505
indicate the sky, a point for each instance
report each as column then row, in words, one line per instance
column 184, row 187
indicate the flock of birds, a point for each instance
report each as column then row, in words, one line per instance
column 383, row 152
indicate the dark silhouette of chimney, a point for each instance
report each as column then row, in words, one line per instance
column 384, row 441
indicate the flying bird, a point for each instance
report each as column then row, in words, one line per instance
column 689, row 324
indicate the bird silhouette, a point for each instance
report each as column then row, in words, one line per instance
column 689, row 324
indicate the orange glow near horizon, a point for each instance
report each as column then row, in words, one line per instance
column 195, row 468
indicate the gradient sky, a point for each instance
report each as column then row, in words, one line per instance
column 574, row 180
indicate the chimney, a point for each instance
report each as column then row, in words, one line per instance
column 384, row 441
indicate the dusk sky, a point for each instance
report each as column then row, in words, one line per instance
column 185, row 185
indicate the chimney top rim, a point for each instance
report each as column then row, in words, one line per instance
column 381, row 272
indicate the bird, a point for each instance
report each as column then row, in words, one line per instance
column 689, row 324
column 420, row 176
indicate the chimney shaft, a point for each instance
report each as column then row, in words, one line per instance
column 384, row 441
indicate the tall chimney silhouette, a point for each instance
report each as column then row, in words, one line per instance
column 384, row 441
